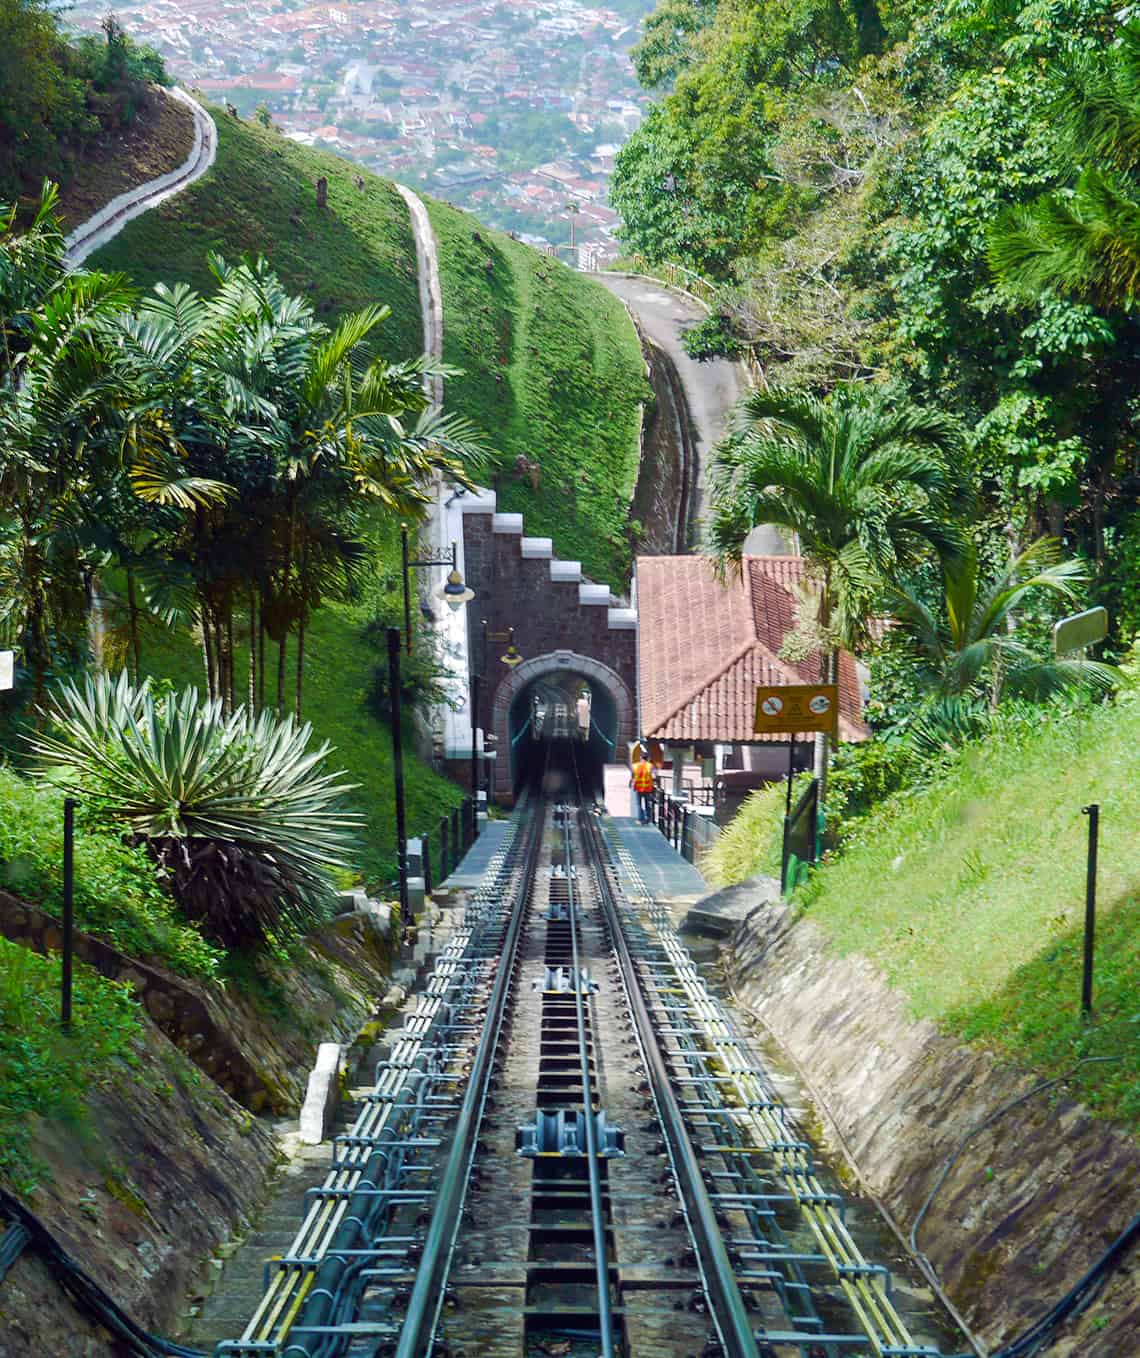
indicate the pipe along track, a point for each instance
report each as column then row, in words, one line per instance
column 571, row 1151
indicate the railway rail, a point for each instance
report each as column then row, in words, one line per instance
column 571, row 1150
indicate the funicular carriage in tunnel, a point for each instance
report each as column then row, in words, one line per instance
column 553, row 713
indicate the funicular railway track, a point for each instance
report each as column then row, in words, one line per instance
column 570, row 1151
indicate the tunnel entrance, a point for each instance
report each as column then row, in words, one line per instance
column 542, row 723
column 563, row 731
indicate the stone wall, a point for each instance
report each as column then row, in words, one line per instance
column 1033, row 1200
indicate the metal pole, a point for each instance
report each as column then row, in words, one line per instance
column 407, row 590
column 398, row 768
column 68, row 908
column 474, row 756
column 427, row 864
column 1093, row 813
column 444, row 854
column 787, row 814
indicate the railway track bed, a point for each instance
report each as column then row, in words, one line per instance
column 572, row 1150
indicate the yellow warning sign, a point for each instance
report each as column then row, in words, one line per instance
column 787, row 709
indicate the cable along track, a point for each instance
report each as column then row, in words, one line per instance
column 570, row 1151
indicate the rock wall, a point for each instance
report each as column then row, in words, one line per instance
column 160, row 1172
column 1034, row 1198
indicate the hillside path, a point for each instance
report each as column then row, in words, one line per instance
column 711, row 388
column 431, row 293
column 88, row 236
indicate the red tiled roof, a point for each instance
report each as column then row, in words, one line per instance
column 704, row 647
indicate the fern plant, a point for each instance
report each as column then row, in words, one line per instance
column 237, row 811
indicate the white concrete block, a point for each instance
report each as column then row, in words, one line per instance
column 507, row 523
column 321, row 1095
column 537, row 549
column 481, row 502
column 566, row 570
column 622, row 619
column 594, row 594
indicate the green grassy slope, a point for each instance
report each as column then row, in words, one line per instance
column 260, row 198
column 969, row 895
column 553, row 372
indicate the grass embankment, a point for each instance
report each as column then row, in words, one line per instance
column 260, row 198
column 552, row 372
column 968, row 893
column 45, row 1071
column 340, row 662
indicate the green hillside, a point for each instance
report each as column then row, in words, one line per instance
column 553, row 372
column 260, row 198
column 968, row 893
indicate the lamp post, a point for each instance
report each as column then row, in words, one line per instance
column 398, row 772
column 474, row 756
column 454, row 592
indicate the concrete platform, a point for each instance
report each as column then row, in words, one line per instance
column 469, row 872
column 668, row 877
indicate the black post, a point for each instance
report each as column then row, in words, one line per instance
column 398, row 769
column 444, row 855
column 474, row 757
column 1093, row 813
column 426, row 842
column 787, row 814
column 68, row 908
column 407, row 590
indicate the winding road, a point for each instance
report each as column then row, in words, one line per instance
column 711, row 388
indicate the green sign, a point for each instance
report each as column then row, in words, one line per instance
column 1080, row 630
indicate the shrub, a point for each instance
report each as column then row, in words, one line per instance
column 237, row 810
column 117, row 896
column 42, row 1069
column 711, row 338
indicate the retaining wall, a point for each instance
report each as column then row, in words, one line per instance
column 1034, row 1199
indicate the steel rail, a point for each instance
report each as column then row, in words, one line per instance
column 761, row 1116
column 601, row 1254
column 729, row 1313
column 422, row 1316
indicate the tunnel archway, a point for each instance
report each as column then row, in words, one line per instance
column 612, row 703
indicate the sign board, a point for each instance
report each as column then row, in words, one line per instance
column 1080, row 630
column 7, row 669
column 787, row 709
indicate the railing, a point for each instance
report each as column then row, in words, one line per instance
column 686, row 830
column 442, row 850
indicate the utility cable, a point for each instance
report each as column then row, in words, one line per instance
column 80, row 1286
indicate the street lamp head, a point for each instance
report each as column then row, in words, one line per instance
column 455, row 593
column 511, row 657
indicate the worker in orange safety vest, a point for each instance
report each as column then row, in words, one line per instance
column 642, row 783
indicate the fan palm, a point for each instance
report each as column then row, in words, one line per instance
column 236, row 809
column 1085, row 240
column 862, row 479
column 968, row 646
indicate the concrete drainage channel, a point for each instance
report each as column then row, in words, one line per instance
column 233, row 1281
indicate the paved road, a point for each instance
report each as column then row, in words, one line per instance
column 712, row 388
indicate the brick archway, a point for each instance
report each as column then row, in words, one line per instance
column 594, row 671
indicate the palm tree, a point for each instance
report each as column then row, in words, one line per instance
column 863, row 479
column 967, row 646
column 1085, row 240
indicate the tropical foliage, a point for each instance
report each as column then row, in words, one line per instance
column 237, row 811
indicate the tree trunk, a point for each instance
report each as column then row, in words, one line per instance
column 222, row 691
column 281, row 676
column 261, row 661
column 231, row 687
column 133, row 614
column 208, row 654
column 300, row 664
column 252, row 652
